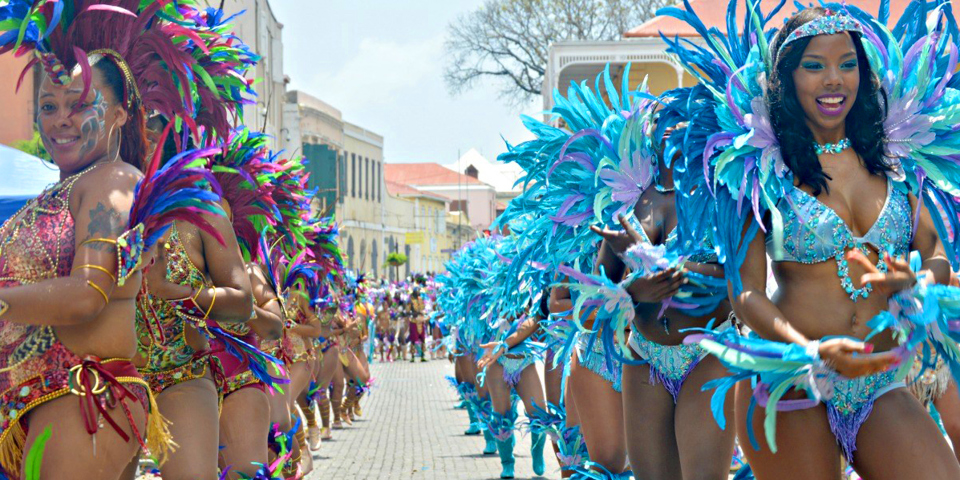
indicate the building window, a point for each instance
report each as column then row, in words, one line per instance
column 379, row 182
column 366, row 171
column 353, row 175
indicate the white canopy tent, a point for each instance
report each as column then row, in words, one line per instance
column 22, row 177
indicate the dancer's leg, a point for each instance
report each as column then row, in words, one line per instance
column 900, row 440
column 602, row 422
column 705, row 450
column 244, row 428
column 280, row 412
column 71, row 453
column 553, row 382
column 336, row 398
column 948, row 405
column 530, row 390
column 805, row 446
column 192, row 408
column 503, row 418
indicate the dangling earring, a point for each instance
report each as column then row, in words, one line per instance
column 116, row 156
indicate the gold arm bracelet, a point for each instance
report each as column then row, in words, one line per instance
column 101, row 269
column 212, row 302
column 96, row 287
column 4, row 306
column 93, row 240
column 274, row 299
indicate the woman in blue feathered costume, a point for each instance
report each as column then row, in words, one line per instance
column 818, row 165
column 675, row 285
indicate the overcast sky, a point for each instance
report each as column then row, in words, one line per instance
column 381, row 63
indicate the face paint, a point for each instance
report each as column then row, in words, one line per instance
column 72, row 129
column 92, row 124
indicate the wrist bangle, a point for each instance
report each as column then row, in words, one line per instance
column 813, row 349
column 206, row 315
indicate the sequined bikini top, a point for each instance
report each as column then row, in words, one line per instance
column 702, row 253
column 701, row 294
column 159, row 319
column 814, row 233
column 38, row 243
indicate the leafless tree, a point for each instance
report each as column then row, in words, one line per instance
column 509, row 40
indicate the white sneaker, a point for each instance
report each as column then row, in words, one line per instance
column 313, row 438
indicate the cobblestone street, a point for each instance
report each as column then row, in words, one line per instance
column 410, row 430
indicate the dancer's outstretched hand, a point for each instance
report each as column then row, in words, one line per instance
column 838, row 353
column 657, row 287
column 491, row 354
column 899, row 275
column 619, row 241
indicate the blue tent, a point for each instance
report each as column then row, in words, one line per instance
column 22, row 177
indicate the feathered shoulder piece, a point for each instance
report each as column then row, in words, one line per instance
column 293, row 202
column 183, row 189
column 587, row 169
column 917, row 62
column 322, row 238
column 242, row 168
column 298, row 274
column 220, row 88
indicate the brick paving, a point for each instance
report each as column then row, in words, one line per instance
column 410, row 430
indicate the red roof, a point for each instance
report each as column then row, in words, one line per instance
column 425, row 174
column 402, row 190
column 713, row 13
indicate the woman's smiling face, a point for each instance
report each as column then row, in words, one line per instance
column 827, row 81
column 77, row 131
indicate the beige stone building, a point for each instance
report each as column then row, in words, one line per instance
column 315, row 130
column 466, row 191
column 260, row 29
column 361, row 213
column 18, row 114
column 422, row 215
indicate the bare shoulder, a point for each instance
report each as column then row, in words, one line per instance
column 116, row 175
column 110, row 186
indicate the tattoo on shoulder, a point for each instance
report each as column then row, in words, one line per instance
column 105, row 222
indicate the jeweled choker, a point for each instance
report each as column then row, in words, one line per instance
column 832, row 147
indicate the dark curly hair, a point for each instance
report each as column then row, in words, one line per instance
column 864, row 123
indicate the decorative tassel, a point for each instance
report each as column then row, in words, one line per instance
column 159, row 439
column 11, row 451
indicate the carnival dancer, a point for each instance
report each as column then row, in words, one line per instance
column 416, row 325
column 318, row 397
column 386, row 335
column 461, row 285
column 511, row 364
column 401, row 303
column 243, row 173
column 832, row 175
column 558, row 163
column 668, row 432
column 356, row 367
column 91, row 117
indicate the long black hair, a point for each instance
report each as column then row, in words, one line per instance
column 864, row 123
